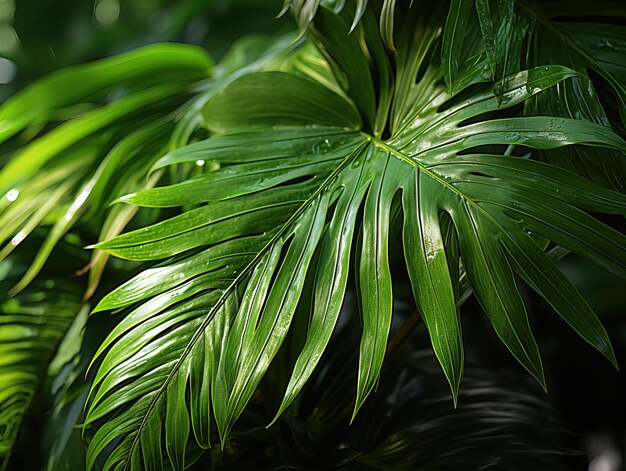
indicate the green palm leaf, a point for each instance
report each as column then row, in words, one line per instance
column 297, row 178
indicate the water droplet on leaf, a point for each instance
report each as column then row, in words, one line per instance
column 12, row 194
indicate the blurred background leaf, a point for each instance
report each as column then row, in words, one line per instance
column 38, row 37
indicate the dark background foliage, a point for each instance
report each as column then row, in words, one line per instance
column 40, row 36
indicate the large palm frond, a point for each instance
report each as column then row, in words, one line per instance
column 304, row 181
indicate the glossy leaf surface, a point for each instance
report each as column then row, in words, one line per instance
column 284, row 199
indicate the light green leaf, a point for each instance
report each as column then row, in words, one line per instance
column 147, row 66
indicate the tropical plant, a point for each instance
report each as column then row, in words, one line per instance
column 461, row 149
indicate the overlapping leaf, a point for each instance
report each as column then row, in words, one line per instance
column 586, row 47
column 594, row 50
column 499, row 43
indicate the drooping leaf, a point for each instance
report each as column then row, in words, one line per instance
column 79, row 146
